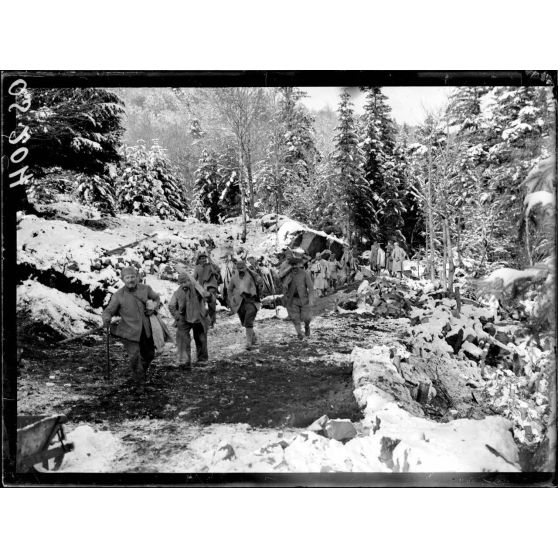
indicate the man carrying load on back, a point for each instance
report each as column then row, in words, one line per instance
column 244, row 291
column 299, row 296
column 207, row 274
column 188, row 308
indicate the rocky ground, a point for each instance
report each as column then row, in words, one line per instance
column 272, row 409
column 393, row 378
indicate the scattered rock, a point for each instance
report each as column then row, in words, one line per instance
column 340, row 429
column 319, row 424
column 471, row 351
column 225, row 452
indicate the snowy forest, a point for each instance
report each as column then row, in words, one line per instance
column 152, row 176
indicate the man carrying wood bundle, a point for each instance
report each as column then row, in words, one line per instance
column 134, row 303
column 188, row 308
column 207, row 274
column 299, row 296
column 244, row 298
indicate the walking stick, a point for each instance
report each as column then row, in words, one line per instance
column 108, row 354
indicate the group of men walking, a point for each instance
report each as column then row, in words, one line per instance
column 193, row 306
column 194, row 303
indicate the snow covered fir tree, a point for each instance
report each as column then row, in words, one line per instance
column 427, row 342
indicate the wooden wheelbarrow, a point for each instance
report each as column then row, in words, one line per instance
column 41, row 440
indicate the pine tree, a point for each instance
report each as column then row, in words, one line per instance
column 413, row 227
column 147, row 185
column 291, row 154
column 207, row 188
column 382, row 166
column 76, row 129
column 352, row 188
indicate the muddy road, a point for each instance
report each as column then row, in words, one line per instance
column 284, row 383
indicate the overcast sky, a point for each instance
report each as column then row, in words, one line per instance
column 408, row 104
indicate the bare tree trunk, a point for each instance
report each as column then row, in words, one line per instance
column 430, row 213
column 527, row 241
column 248, row 164
column 444, row 254
column 459, row 255
column 242, row 193
column 451, row 269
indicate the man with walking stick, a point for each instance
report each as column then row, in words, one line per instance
column 134, row 303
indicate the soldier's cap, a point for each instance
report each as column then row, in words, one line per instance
column 295, row 258
column 128, row 271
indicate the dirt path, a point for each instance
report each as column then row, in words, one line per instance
column 284, row 383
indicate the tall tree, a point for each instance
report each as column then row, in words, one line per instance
column 239, row 107
column 76, row 129
column 383, row 169
column 291, row 156
column 351, row 185
column 208, row 188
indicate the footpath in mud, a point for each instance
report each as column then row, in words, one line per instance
column 285, row 382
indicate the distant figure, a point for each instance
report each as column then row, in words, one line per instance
column 188, row 307
column 398, row 257
column 334, row 267
column 349, row 266
column 381, row 261
column 208, row 275
column 389, row 257
column 374, row 257
column 227, row 265
column 320, row 269
column 244, row 298
column 134, row 303
column 299, row 295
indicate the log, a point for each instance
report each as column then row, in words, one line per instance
column 130, row 245
column 498, row 344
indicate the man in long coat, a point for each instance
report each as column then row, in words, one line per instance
column 299, row 296
column 244, row 290
column 374, row 257
column 389, row 256
column 134, row 303
column 207, row 274
column 188, row 307
column 398, row 256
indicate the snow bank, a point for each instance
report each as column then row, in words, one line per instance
column 408, row 443
column 53, row 244
column 94, row 451
column 538, row 198
column 65, row 313
column 238, row 447
column 509, row 276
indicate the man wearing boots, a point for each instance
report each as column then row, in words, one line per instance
column 134, row 303
column 299, row 296
column 207, row 274
column 244, row 298
column 188, row 307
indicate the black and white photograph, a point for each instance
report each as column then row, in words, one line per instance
column 269, row 273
